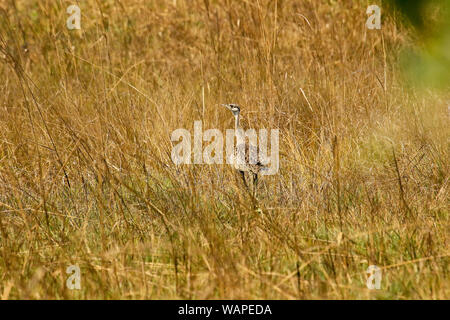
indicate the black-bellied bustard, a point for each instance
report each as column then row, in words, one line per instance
column 245, row 156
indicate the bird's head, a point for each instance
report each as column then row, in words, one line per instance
column 233, row 108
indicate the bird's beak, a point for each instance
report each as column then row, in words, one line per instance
column 226, row 106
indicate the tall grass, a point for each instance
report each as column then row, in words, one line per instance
column 86, row 176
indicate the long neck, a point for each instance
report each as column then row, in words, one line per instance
column 236, row 122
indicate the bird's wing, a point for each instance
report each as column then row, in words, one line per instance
column 252, row 154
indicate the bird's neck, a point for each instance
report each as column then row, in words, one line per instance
column 236, row 122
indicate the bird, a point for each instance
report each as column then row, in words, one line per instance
column 245, row 157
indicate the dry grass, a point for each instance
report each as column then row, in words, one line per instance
column 86, row 176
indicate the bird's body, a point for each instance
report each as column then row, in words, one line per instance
column 245, row 155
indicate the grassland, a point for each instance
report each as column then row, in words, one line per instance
column 86, row 176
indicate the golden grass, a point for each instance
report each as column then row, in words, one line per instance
column 86, row 176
